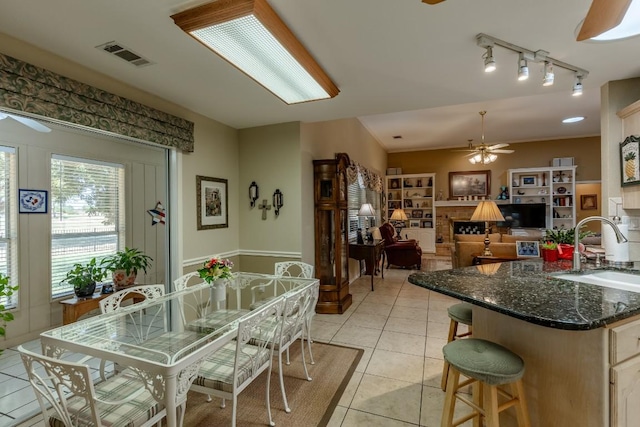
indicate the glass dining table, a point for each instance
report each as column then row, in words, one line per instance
column 165, row 340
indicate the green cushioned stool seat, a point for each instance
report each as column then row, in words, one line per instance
column 461, row 313
column 484, row 360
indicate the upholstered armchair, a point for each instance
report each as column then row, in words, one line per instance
column 403, row 253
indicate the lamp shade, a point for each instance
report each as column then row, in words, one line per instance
column 252, row 37
column 399, row 215
column 366, row 210
column 487, row 210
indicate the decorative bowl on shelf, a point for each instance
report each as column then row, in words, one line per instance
column 561, row 190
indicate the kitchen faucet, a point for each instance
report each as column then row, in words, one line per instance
column 576, row 250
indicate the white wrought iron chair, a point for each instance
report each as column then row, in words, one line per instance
column 301, row 269
column 229, row 370
column 67, row 395
column 114, row 301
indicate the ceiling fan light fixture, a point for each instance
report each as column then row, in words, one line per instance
column 489, row 62
column 252, row 37
column 549, row 76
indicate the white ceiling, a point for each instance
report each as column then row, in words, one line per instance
column 403, row 67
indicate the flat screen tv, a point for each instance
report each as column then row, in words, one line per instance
column 524, row 215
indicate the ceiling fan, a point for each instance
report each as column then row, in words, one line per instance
column 484, row 153
column 26, row 121
column 603, row 15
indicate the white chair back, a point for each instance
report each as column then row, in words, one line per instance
column 294, row 269
column 114, row 301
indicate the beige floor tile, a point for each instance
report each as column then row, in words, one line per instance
column 332, row 318
column 438, row 330
column 438, row 316
column 432, row 375
column 399, row 366
column 434, row 347
column 350, row 391
column 370, row 307
column 366, row 320
column 383, row 296
column 338, row 416
column 407, row 326
column 364, row 360
column 360, row 419
column 412, row 303
column 357, row 336
column 390, row 398
column 413, row 292
column 409, row 313
column 402, row 343
column 324, row 331
column 432, row 403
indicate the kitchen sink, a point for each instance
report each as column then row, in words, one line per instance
column 608, row 279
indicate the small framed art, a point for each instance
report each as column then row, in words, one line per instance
column 212, row 203
column 527, row 248
column 32, row 201
column 528, row 180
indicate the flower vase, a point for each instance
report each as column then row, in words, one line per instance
column 219, row 290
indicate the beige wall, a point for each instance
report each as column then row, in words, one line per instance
column 585, row 151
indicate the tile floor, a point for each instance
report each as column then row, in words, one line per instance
column 401, row 327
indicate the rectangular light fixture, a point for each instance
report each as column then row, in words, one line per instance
column 253, row 38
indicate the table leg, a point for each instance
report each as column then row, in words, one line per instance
column 373, row 266
column 170, row 385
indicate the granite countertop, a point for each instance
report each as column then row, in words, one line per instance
column 527, row 290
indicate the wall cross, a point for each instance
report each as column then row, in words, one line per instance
column 264, row 208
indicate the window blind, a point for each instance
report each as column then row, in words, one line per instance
column 8, row 222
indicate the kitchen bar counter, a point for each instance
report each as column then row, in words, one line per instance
column 527, row 290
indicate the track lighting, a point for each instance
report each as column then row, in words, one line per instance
column 526, row 56
column 577, row 86
column 549, row 76
column 523, row 68
column 489, row 62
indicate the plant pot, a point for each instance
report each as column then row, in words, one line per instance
column 121, row 280
column 565, row 251
column 85, row 291
column 550, row 254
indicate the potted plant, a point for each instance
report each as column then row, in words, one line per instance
column 549, row 251
column 5, row 291
column 565, row 239
column 84, row 277
column 125, row 265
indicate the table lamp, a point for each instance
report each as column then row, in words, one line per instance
column 366, row 210
column 486, row 211
column 399, row 217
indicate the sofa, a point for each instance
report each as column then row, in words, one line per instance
column 468, row 246
column 402, row 253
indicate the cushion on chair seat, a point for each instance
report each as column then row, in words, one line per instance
column 131, row 413
column 484, row 360
column 215, row 320
column 216, row 371
column 461, row 313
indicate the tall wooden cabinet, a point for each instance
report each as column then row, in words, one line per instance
column 553, row 186
column 331, row 233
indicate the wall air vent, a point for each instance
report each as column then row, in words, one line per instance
column 125, row 53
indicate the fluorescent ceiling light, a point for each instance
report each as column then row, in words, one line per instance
column 253, row 38
column 629, row 27
column 573, row 119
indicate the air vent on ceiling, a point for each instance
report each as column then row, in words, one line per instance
column 124, row 52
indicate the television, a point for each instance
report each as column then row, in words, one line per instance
column 523, row 215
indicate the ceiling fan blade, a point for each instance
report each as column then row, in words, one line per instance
column 432, row 1
column 603, row 15
column 30, row 122
column 501, row 151
column 496, row 146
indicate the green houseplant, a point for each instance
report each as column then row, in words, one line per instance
column 84, row 277
column 6, row 290
column 549, row 251
column 125, row 265
column 564, row 238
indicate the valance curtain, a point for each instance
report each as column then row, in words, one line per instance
column 371, row 180
column 25, row 87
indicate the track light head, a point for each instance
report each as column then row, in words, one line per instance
column 577, row 86
column 523, row 68
column 548, row 74
column 489, row 62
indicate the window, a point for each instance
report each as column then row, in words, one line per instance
column 357, row 195
column 8, row 222
column 87, row 214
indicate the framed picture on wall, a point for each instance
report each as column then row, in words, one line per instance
column 32, row 201
column 473, row 183
column 212, row 203
column 630, row 160
column 588, row 202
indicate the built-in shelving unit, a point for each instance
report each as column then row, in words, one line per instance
column 553, row 186
column 414, row 194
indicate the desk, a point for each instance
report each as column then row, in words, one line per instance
column 481, row 259
column 370, row 252
column 75, row 307
column 158, row 345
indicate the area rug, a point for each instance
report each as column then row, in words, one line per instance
column 312, row 402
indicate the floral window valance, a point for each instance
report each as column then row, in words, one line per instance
column 371, row 180
column 25, row 87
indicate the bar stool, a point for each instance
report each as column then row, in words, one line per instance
column 458, row 313
column 487, row 365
